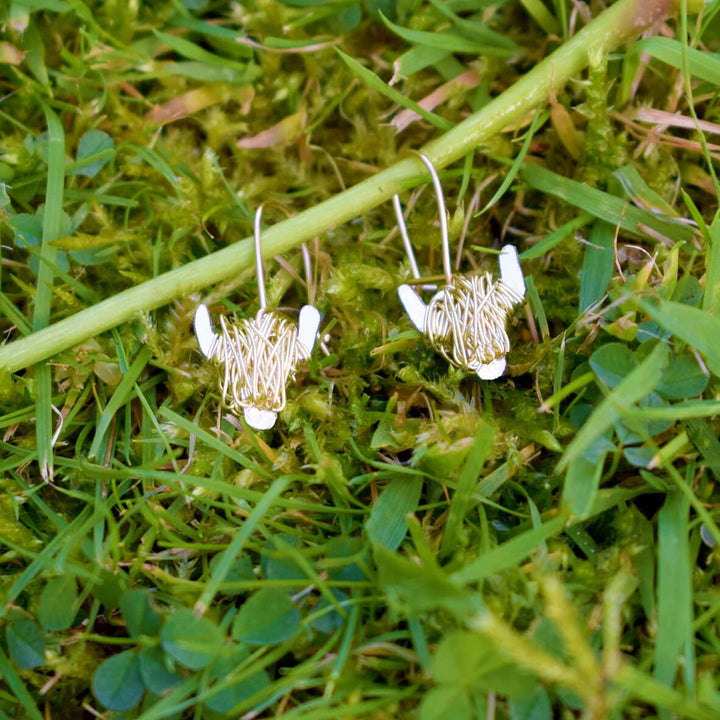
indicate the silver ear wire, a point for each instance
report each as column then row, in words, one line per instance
column 258, row 355
column 259, row 271
column 465, row 320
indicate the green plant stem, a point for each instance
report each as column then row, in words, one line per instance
column 620, row 23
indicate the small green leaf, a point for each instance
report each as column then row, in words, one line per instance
column 155, row 674
column 94, row 143
column 193, row 641
column 533, row 705
column 58, row 603
column 470, row 661
column 417, row 588
column 331, row 619
column 386, row 525
column 27, row 229
column 612, row 362
column 25, row 644
column 683, row 378
column 238, row 691
column 140, row 616
column 266, row 618
column 341, row 547
column 694, row 326
column 449, row 701
column 241, row 569
column 117, row 682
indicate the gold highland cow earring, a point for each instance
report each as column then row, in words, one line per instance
column 259, row 354
column 465, row 320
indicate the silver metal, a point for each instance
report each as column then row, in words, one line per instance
column 465, row 320
column 258, row 262
column 258, row 355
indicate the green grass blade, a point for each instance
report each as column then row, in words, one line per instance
column 240, row 538
column 43, row 297
column 16, row 685
column 510, row 553
column 374, row 82
column 542, row 16
column 387, row 525
column 212, row 442
column 119, row 398
column 191, row 51
column 448, row 41
column 538, row 121
column 711, row 298
column 638, row 684
column 674, row 588
column 462, row 498
column 598, row 264
column 702, row 64
column 604, row 206
column 557, row 236
column 694, row 326
column 680, row 411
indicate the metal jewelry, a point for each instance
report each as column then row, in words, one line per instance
column 258, row 355
column 465, row 320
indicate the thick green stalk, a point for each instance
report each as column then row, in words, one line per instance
column 621, row 22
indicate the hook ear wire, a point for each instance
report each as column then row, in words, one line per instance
column 406, row 240
column 258, row 262
column 307, row 265
column 443, row 216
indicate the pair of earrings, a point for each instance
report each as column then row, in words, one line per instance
column 464, row 321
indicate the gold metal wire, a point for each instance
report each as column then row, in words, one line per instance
column 259, row 355
column 465, row 321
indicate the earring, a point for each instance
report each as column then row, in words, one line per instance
column 258, row 354
column 465, row 320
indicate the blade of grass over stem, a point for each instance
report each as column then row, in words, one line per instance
column 633, row 387
column 609, row 30
column 43, row 296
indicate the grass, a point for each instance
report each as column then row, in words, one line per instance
column 407, row 541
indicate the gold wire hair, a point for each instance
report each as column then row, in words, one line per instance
column 259, row 355
column 465, row 320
